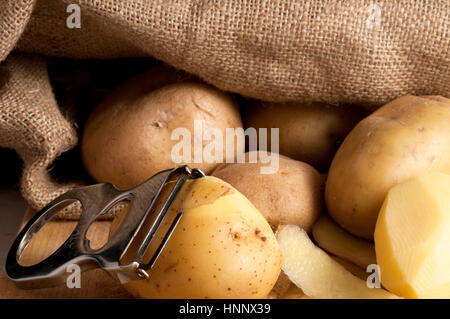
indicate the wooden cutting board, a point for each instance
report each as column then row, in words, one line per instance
column 94, row 283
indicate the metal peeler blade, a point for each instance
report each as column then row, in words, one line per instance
column 97, row 200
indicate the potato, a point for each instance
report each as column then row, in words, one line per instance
column 316, row 273
column 352, row 268
column 128, row 137
column 403, row 139
column 222, row 248
column 337, row 241
column 412, row 238
column 308, row 132
column 292, row 195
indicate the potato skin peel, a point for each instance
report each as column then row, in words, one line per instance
column 335, row 240
column 316, row 273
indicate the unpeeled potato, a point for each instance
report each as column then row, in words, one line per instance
column 222, row 248
column 291, row 195
column 405, row 138
column 308, row 132
column 129, row 137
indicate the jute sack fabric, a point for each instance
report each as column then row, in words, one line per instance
column 355, row 51
column 32, row 124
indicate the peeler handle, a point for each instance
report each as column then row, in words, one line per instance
column 52, row 271
column 96, row 200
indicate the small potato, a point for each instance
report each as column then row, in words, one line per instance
column 405, row 138
column 128, row 137
column 309, row 132
column 292, row 195
column 222, row 248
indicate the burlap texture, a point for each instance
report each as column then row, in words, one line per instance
column 32, row 124
column 309, row 50
column 14, row 16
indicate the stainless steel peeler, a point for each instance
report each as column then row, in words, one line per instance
column 97, row 200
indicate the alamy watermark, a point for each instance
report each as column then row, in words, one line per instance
column 74, row 279
column 73, row 21
column 374, row 279
column 207, row 145
column 374, row 19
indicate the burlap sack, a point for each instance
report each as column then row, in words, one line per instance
column 32, row 124
column 362, row 52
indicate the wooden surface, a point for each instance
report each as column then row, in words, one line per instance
column 94, row 283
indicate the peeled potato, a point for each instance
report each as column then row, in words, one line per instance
column 339, row 242
column 412, row 238
column 222, row 248
column 316, row 273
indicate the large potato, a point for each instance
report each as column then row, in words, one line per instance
column 127, row 138
column 403, row 139
column 222, row 248
column 309, row 132
column 292, row 195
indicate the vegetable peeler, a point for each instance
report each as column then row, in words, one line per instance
column 97, row 200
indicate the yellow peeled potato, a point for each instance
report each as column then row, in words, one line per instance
column 412, row 238
column 339, row 242
column 316, row 273
column 222, row 248
column 405, row 138
column 291, row 195
column 129, row 136
column 308, row 132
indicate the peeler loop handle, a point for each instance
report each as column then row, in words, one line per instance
column 44, row 270
column 97, row 200
column 53, row 270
